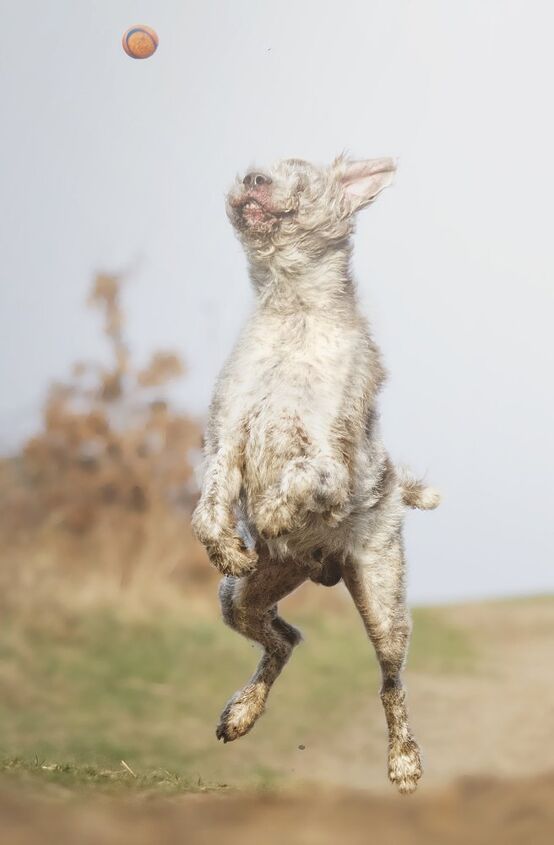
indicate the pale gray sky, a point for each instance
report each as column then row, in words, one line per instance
column 106, row 160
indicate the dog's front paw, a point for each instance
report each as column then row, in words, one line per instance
column 208, row 523
column 232, row 557
column 331, row 492
column 226, row 550
column 274, row 516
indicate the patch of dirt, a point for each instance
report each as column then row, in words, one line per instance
column 472, row 811
column 496, row 720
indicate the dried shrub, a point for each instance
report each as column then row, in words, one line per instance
column 105, row 489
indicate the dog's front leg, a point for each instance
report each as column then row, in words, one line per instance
column 214, row 519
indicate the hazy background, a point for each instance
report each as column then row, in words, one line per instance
column 113, row 163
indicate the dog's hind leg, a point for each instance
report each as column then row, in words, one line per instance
column 375, row 580
column 249, row 606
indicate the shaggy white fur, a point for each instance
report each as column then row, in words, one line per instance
column 296, row 480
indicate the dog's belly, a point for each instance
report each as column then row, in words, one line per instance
column 275, row 437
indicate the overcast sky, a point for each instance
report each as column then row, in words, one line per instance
column 106, row 161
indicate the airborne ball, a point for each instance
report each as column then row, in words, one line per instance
column 140, row 42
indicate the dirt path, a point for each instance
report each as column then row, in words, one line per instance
column 496, row 720
column 475, row 812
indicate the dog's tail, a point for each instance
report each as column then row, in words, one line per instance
column 417, row 494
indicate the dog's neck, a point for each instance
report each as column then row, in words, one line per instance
column 288, row 283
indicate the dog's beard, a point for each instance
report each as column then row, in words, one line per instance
column 254, row 214
column 253, row 217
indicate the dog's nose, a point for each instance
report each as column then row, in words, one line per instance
column 255, row 180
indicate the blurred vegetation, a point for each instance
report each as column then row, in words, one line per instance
column 100, row 498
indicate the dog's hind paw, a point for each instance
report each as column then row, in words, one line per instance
column 405, row 767
column 241, row 712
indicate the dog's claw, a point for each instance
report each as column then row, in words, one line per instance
column 220, row 733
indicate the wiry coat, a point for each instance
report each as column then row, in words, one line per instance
column 296, row 481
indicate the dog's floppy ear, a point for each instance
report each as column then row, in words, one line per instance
column 361, row 181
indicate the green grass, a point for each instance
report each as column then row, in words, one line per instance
column 78, row 695
column 82, row 777
column 438, row 646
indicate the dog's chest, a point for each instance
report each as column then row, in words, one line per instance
column 293, row 378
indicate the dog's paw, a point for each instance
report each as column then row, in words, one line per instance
column 405, row 765
column 331, row 494
column 226, row 550
column 241, row 712
column 232, row 557
column 274, row 516
column 319, row 486
column 208, row 523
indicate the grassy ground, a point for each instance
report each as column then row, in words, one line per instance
column 107, row 729
column 80, row 693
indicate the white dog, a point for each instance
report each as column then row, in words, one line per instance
column 296, row 481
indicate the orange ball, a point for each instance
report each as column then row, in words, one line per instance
column 140, row 42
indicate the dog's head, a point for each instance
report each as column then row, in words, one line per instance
column 297, row 206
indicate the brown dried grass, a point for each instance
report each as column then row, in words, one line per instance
column 98, row 501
